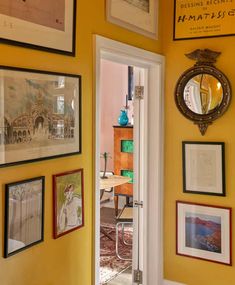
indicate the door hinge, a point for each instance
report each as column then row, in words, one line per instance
column 138, row 203
column 138, row 276
column 139, row 92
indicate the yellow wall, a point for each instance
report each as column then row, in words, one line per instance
column 184, row 269
column 68, row 259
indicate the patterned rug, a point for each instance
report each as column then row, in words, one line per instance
column 110, row 265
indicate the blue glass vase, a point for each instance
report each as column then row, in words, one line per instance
column 123, row 118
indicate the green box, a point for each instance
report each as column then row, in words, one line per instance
column 128, row 173
column 127, row 146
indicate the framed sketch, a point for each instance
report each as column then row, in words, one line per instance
column 24, row 215
column 204, row 232
column 40, row 115
column 139, row 16
column 203, row 19
column 203, row 168
column 68, row 200
column 45, row 25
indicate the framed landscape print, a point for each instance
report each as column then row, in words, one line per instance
column 68, row 200
column 24, row 215
column 203, row 19
column 203, row 168
column 139, row 16
column 40, row 117
column 46, row 25
column 204, row 232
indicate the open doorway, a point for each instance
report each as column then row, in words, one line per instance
column 117, row 171
column 148, row 164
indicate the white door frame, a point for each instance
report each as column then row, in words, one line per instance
column 153, row 165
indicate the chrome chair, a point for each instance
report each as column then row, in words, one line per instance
column 103, row 201
column 123, row 219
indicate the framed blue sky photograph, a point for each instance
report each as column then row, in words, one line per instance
column 204, row 232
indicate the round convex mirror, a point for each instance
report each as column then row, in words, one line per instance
column 203, row 93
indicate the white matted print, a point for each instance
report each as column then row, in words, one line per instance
column 40, row 115
column 47, row 25
column 140, row 16
column 204, row 232
column 24, row 214
column 203, row 168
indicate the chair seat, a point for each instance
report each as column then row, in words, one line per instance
column 126, row 215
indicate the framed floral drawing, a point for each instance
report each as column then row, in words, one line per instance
column 24, row 215
column 139, row 16
column 204, row 232
column 203, row 168
column 68, row 200
column 45, row 25
column 40, row 117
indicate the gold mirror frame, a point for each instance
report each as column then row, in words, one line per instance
column 204, row 65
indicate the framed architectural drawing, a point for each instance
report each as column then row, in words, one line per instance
column 40, row 115
column 139, row 16
column 203, row 19
column 204, row 232
column 203, row 168
column 24, row 215
column 45, row 25
column 68, row 202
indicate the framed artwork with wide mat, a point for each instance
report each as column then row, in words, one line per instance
column 24, row 215
column 204, row 232
column 46, row 25
column 204, row 167
column 40, row 117
column 139, row 16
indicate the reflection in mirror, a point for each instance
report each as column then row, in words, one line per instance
column 203, row 93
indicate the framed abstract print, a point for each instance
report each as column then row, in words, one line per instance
column 45, row 25
column 203, row 168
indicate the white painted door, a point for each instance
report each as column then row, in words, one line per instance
column 140, row 87
column 148, row 157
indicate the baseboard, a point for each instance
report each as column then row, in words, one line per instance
column 167, row 282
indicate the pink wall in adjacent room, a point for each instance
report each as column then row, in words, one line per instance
column 114, row 87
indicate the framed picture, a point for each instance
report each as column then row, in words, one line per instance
column 203, row 168
column 203, row 19
column 139, row 16
column 68, row 200
column 204, row 232
column 24, row 215
column 45, row 25
column 40, row 116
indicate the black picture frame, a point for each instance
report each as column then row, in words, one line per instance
column 42, row 115
column 24, row 214
column 204, row 168
column 56, row 34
